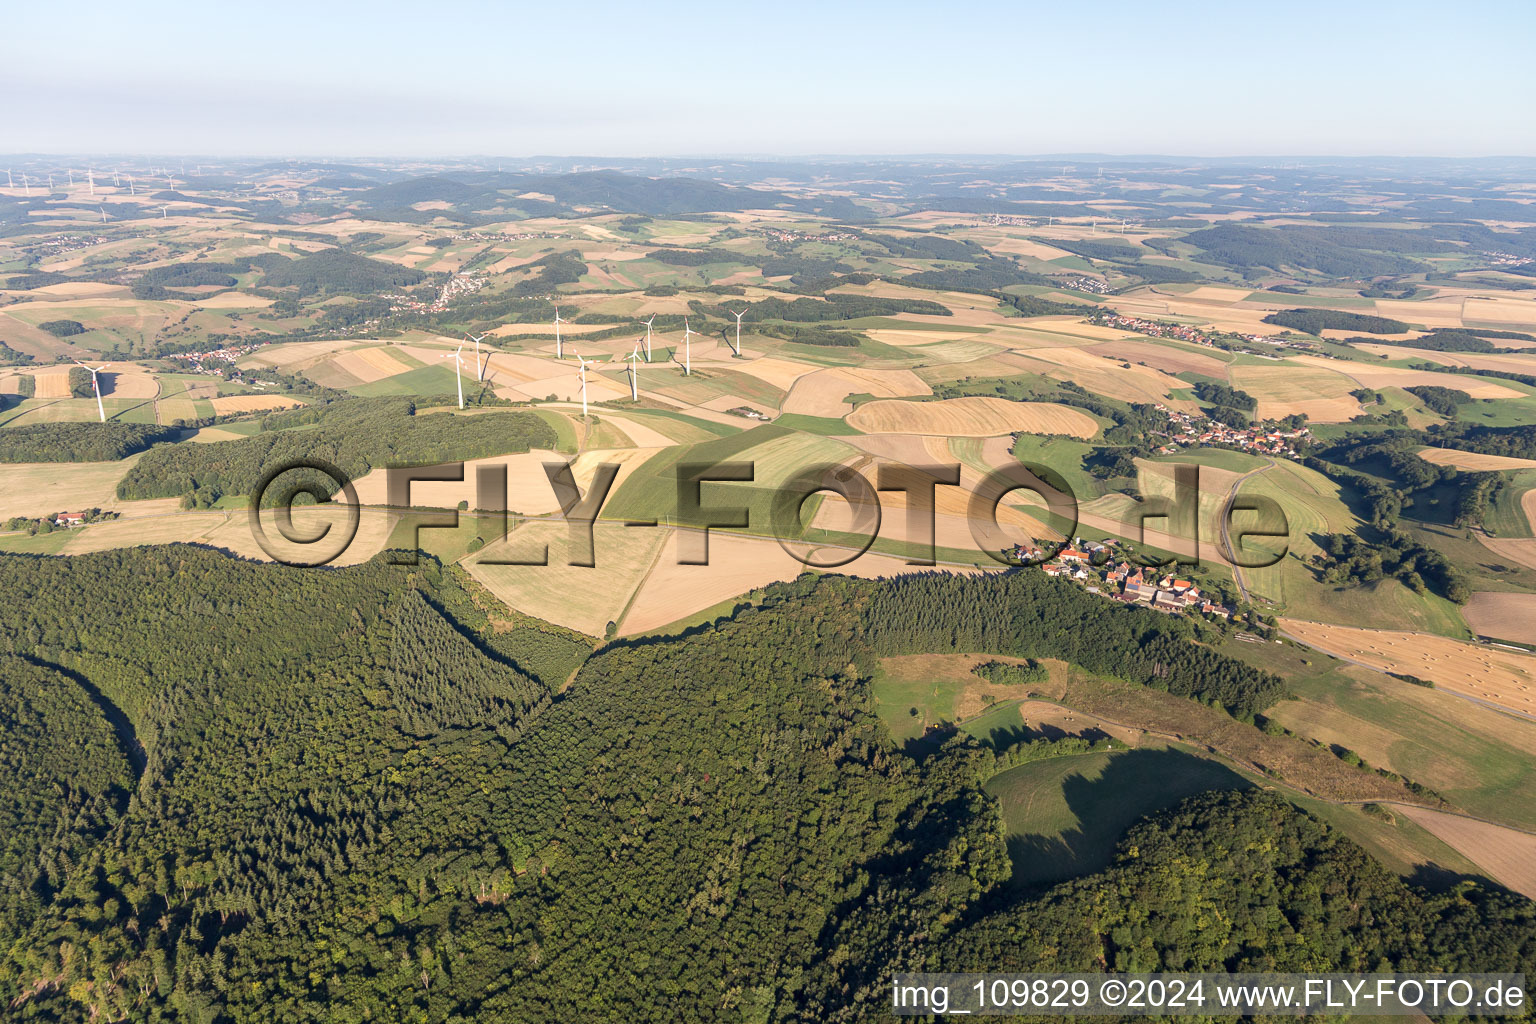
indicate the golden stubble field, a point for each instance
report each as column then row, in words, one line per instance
column 971, row 417
column 1491, row 674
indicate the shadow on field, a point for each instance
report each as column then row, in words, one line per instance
column 1092, row 806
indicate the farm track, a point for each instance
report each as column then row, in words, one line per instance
column 1226, row 531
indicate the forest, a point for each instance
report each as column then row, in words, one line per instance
column 80, row 442
column 354, row 435
column 350, row 802
column 1316, row 321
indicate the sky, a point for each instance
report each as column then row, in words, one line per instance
column 636, row 79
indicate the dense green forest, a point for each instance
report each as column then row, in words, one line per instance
column 1240, row 882
column 354, row 435
column 1217, row 393
column 80, row 442
column 1332, row 251
column 1316, row 321
column 835, row 306
column 353, row 804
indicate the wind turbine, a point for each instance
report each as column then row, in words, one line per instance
column 50, row 183
column 583, row 372
column 90, row 176
column 115, row 182
column 130, row 185
column 634, row 373
column 559, row 352
column 163, row 214
column 687, row 349
column 96, row 387
column 71, row 171
column 648, row 338
column 26, row 183
column 9, row 181
column 738, row 317
column 479, row 375
column 458, row 373
column 103, row 210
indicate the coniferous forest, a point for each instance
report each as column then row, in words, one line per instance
column 243, row 792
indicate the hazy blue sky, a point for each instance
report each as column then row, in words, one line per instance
column 639, row 78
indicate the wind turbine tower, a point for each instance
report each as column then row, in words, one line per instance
column 687, row 349
column 634, row 373
column 163, row 214
column 96, row 387
column 559, row 351
column 738, row 317
column 458, row 373
column 90, row 176
column 583, row 386
column 479, row 371
column 648, row 337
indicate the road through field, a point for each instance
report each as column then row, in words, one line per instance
column 1226, row 531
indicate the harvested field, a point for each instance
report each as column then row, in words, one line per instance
column 737, row 564
column 1489, row 674
column 1502, row 310
column 1104, row 376
column 1509, row 856
column 1435, row 313
column 294, row 353
column 35, row 489
column 643, row 436
column 822, row 393
column 577, row 597
column 971, row 417
column 528, row 488
column 52, row 384
column 1511, row 363
column 1520, row 550
column 906, row 338
column 780, row 373
column 1167, row 358
column 1474, row 461
column 1503, row 616
column 251, row 403
column 1370, row 376
column 1283, row 390
column 371, row 364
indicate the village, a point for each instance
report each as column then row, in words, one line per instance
column 1191, row 430
column 1092, row 565
column 1194, row 335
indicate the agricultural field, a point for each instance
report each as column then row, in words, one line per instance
column 1494, row 675
column 1108, row 336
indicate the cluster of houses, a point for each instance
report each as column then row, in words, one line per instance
column 780, row 235
column 90, row 515
column 1161, row 329
column 1193, row 431
column 58, row 245
column 223, row 354
column 1092, row 564
column 1092, row 285
column 458, row 285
